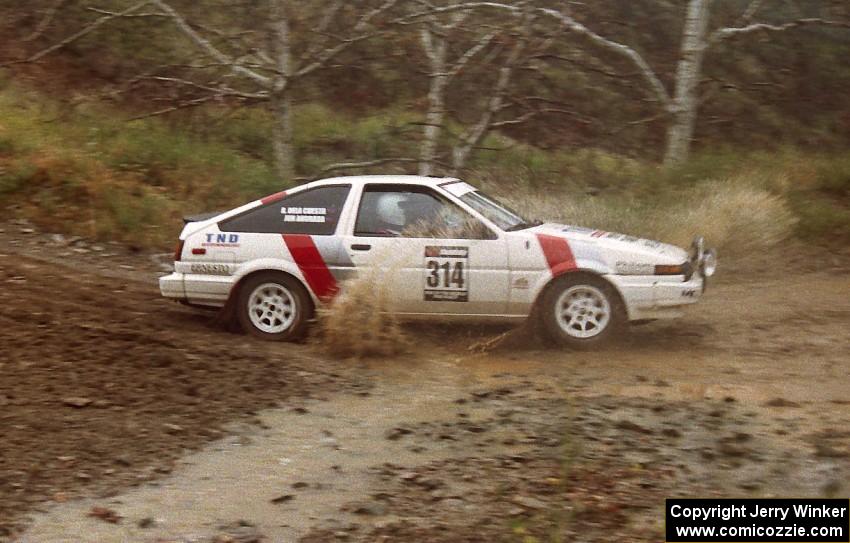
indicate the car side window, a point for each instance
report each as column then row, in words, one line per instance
column 414, row 212
column 313, row 211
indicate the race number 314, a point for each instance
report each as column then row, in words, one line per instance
column 446, row 274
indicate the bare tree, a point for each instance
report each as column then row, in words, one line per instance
column 459, row 42
column 683, row 105
column 680, row 106
column 436, row 38
column 267, row 69
column 499, row 105
column 494, row 104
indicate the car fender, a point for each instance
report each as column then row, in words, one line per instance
column 586, row 266
column 587, row 260
column 270, row 264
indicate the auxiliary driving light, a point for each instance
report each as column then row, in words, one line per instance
column 708, row 264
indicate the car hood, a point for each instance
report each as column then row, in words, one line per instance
column 621, row 252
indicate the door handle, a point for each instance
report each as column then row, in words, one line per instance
column 360, row 247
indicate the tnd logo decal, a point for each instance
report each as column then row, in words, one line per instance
column 222, row 240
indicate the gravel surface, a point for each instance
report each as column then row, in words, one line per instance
column 113, row 400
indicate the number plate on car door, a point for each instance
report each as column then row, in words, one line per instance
column 446, row 274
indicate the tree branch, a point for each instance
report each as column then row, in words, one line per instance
column 126, row 15
column 208, row 47
column 358, row 165
column 516, row 120
column 183, row 105
column 643, row 66
column 322, row 28
column 218, row 90
column 360, row 26
column 49, row 15
column 464, row 59
column 724, row 33
column 570, row 24
column 85, row 31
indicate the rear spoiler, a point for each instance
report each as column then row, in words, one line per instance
column 200, row 217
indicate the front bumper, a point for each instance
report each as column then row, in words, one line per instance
column 657, row 296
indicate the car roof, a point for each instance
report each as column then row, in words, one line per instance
column 395, row 179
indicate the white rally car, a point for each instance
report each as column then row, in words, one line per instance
column 445, row 250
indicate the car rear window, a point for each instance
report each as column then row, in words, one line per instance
column 313, row 211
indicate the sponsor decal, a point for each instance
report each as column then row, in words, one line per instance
column 221, row 240
column 304, row 214
column 312, row 266
column 211, row 269
column 690, row 293
column 446, row 274
column 572, row 229
column 633, row 268
column 520, row 283
column 627, row 239
column 558, row 254
column 458, row 188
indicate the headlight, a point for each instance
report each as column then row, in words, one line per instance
column 708, row 264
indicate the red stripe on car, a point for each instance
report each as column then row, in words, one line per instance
column 312, row 265
column 271, row 198
column 558, row 254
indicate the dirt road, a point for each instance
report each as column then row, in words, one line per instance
column 118, row 406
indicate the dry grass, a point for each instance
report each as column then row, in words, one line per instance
column 739, row 219
column 359, row 322
column 736, row 215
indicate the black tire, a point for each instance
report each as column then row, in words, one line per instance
column 585, row 329
column 298, row 308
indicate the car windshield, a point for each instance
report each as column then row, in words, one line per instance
column 496, row 212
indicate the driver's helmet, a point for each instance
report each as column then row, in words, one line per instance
column 388, row 209
column 419, row 209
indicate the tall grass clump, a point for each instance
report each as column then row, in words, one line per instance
column 359, row 322
column 739, row 219
column 732, row 214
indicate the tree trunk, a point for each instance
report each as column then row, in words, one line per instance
column 683, row 108
column 281, row 95
column 282, row 143
column 434, row 45
column 433, row 124
column 476, row 134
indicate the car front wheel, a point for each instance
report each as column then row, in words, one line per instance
column 273, row 306
column 582, row 311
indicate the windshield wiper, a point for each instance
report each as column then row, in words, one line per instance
column 523, row 225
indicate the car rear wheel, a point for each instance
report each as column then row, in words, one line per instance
column 582, row 311
column 273, row 306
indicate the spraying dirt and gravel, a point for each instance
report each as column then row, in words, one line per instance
column 128, row 418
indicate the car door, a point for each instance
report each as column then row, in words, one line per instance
column 426, row 254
